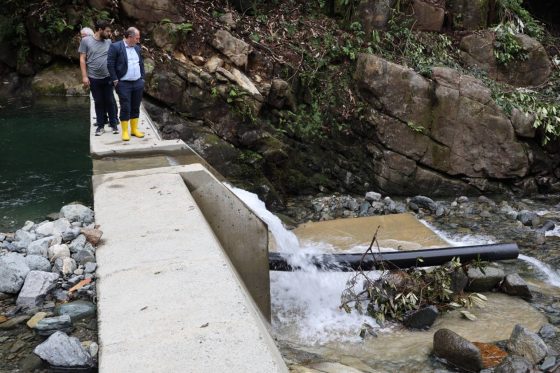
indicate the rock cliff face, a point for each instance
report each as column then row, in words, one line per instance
column 245, row 104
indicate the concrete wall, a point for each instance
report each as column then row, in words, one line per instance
column 241, row 233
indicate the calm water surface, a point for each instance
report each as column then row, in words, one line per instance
column 44, row 158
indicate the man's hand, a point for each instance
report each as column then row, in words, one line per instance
column 115, row 82
column 85, row 81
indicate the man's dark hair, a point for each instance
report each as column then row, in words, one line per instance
column 101, row 24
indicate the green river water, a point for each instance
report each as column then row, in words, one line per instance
column 44, row 158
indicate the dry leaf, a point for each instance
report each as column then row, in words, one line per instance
column 79, row 285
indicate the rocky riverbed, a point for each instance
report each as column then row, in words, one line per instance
column 532, row 223
column 47, row 294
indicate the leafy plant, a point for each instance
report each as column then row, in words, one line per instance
column 397, row 292
column 506, row 46
column 512, row 12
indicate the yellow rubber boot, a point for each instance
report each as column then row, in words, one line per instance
column 134, row 128
column 125, row 136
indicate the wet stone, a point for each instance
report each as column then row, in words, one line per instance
column 63, row 351
column 526, row 343
column 77, row 310
column 457, row 350
column 548, row 363
column 486, row 281
column 514, row 285
column 51, row 325
column 423, row 318
column 548, row 331
column 514, row 364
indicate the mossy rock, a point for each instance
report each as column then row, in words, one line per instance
column 59, row 80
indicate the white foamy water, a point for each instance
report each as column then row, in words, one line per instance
column 306, row 303
column 551, row 275
column 553, row 232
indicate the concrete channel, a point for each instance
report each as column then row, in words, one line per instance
column 183, row 282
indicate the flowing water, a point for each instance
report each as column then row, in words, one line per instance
column 44, row 158
column 307, row 319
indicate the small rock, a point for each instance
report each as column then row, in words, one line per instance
column 77, row 244
column 45, row 228
column 526, row 343
column 63, row 351
column 373, row 197
column 457, row 350
column 487, row 281
column 38, row 263
column 424, row 202
column 463, row 199
column 548, row 331
column 61, row 295
column 36, row 287
column 77, row 212
column 423, row 318
column 79, row 271
column 198, row 60
column 548, row 363
column 514, row 285
column 90, row 267
column 32, row 322
column 65, row 266
column 50, row 325
column 58, row 251
column 13, row 270
column 13, row 322
column 70, row 234
column 93, row 236
column 514, row 364
column 77, row 310
column 40, row 246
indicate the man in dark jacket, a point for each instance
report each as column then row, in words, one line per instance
column 126, row 67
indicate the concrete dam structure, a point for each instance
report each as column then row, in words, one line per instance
column 183, row 279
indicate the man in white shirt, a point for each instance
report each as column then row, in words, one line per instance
column 126, row 67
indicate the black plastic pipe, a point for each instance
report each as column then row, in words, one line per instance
column 400, row 259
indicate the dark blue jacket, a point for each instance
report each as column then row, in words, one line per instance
column 117, row 61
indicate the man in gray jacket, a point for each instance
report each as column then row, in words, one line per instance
column 93, row 64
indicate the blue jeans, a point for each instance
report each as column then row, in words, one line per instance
column 130, row 97
column 104, row 101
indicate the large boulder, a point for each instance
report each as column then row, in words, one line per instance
column 59, row 80
column 477, row 51
column 449, row 125
column 152, row 10
column 77, row 213
column 468, row 14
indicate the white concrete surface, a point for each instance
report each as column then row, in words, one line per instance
column 111, row 144
column 169, row 299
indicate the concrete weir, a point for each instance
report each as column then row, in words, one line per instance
column 182, row 278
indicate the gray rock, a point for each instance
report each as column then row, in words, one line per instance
column 60, row 295
column 38, row 263
column 74, row 280
column 440, row 210
column 528, row 218
column 60, row 225
column 548, row 331
column 76, row 212
column 84, row 256
column 40, row 246
column 27, row 226
column 486, row 200
column 70, row 234
column 58, row 251
column 2, row 237
column 514, row 364
column 364, row 207
column 547, row 226
column 486, row 281
column 65, row 266
column 24, row 238
column 13, row 270
column 463, row 199
column 526, row 343
column 90, row 267
column 63, row 351
column 50, row 325
column 514, row 285
column 77, row 244
column 37, row 285
column 45, row 228
column 423, row 318
column 457, row 350
column 236, row 49
column 424, row 202
column 77, row 310
column 548, row 363
column 373, row 197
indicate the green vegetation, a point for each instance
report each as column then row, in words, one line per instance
column 520, row 20
column 400, row 291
